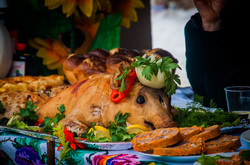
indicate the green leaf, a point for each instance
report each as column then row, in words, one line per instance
column 236, row 121
column 146, row 72
column 122, row 86
column 58, row 117
column 93, row 124
column 117, row 130
column 24, row 112
column 50, row 122
column 61, row 108
column 120, row 119
column 128, row 137
column 245, row 155
column 212, row 104
column 166, row 65
column 123, row 77
column 59, row 132
column 171, row 83
column 195, row 114
column 154, row 69
column 198, row 98
column 140, row 61
column 29, row 111
column 47, row 125
column 114, row 138
column 117, row 116
column 103, row 140
column 108, row 34
column 119, row 136
column 18, row 124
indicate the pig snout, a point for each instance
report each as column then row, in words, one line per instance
column 153, row 107
column 160, row 115
column 160, row 121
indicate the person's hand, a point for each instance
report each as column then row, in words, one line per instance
column 210, row 13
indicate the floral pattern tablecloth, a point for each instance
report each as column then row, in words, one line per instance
column 21, row 149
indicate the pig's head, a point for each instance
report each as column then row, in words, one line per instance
column 147, row 106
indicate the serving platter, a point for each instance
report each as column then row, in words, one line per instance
column 234, row 128
column 108, row 145
column 34, row 134
column 245, row 136
column 183, row 159
column 93, row 145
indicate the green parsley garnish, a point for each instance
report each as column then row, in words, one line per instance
column 90, row 135
column 245, row 155
column 49, row 123
column 117, row 130
column 151, row 66
column 209, row 160
column 195, row 114
column 29, row 111
column 123, row 77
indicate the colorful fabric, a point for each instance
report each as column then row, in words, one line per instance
column 118, row 159
column 20, row 149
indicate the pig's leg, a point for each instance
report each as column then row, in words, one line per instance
column 74, row 125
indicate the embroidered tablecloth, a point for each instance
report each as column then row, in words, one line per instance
column 21, row 149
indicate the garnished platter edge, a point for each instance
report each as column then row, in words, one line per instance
column 93, row 145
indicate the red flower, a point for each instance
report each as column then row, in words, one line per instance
column 38, row 122
column 73, row 143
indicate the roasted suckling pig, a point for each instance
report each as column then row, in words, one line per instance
column 93, row 76
column 88, row 101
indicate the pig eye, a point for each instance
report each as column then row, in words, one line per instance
column 140, row 99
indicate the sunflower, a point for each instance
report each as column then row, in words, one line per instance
column 52, row 52
column 128, row 11
column 88, row 7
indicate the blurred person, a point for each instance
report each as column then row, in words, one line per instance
column 217, row 48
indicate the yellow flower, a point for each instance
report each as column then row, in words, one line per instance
column 88, row 7
column 129, row 12
column 52, row 52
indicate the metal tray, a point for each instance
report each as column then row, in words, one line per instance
column 108, row 145
column 34, row 134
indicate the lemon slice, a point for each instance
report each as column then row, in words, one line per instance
column 13, row 119
column 35, row 128
column 136, row 129
column 100, row 132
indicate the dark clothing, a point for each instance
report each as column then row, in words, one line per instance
column 220, row 58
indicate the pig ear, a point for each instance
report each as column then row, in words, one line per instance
column 117, row 72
